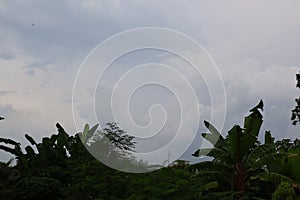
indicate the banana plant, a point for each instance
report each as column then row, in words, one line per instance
column 240, row 158
column 88, row 133
column 16, row 151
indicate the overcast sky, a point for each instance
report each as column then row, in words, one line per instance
column 254, row 44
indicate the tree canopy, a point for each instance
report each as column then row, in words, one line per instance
column 61, row 167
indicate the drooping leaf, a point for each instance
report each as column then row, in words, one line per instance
column 10, row 150
column 30, row 139
column 201, row 152
column 9, row 141
column 216, row 153
column 272, row 177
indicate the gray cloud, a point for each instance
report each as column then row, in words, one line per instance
column 6, row 110
column 4, row 92
column 6, row 55
column 253, row 43
column 38, row 65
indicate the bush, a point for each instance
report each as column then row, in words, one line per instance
column 285, row 191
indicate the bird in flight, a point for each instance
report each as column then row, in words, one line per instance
column 1, row 118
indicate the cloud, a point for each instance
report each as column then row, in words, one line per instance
column 3, row 92
column 38, row 65
column 253, row 43
column 6, row 55
column 6, row 110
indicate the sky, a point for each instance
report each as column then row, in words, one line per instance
column 254, row 46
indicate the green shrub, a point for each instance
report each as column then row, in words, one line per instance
column 285, row 191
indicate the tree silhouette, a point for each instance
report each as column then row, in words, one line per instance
column 296, row 111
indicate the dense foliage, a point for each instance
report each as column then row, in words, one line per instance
column 61, row 167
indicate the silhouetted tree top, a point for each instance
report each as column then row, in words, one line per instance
column 296, row 111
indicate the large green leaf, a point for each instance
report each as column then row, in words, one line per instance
column 202, row 152
column 258, row 153
column 269, row 158
column 272, row 177
column 214, row 137
column 252, row 124
column 293, row 163
column 85, row 133
column 88, row 133
column 216, row 153
column 234, row 140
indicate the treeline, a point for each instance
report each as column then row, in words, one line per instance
column 61, row 167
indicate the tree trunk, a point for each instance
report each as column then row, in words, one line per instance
column 240, row 180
